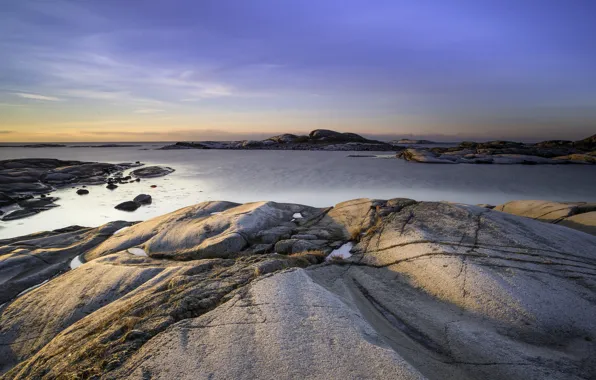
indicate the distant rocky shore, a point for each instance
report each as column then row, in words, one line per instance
column 27, row 183
column 391, row 289
column 553, row 152
column 319, row 139
column 492, row 152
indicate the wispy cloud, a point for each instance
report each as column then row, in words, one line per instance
column 5, row 132
column 36, row 96
column 149, row 111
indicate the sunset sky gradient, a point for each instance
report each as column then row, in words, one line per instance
column 162, row 70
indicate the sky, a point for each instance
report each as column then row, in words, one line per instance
column 170, row 70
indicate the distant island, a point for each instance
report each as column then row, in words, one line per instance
column 319, row 139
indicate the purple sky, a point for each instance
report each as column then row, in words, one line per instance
column 114, row 69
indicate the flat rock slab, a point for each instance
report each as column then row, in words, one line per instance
column 152, row 171
column 283, row 327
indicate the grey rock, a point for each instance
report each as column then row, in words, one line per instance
column 128, row 206
column 152, row 172
column 19, row 214
column 143, row 199
column 432, row 290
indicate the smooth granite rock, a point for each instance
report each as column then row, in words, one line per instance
column 426, row 290
column 577, row 215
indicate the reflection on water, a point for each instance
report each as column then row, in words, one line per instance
column 312, row 178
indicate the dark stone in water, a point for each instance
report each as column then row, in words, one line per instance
column 143, row 199
column 128, row 206
column 111, row 186
column 82, row 191
column 18, row 214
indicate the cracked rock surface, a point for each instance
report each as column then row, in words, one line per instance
column 577, row 215
column 432, row 290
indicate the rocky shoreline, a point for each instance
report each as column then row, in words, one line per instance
column 555, row 152
column 368, row 288
column 28, row 183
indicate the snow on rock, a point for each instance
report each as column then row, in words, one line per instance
column 137, row 252
column 75, row 263
column 297, row 216
column 342, row 252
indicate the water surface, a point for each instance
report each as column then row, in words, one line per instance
column 312, row 178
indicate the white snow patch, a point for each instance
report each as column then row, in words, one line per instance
column 137, row 252
column 31, row 288
column 342, row 252
column 217, row 213
column 297, row 216
column 75, row 263
column 120, row 230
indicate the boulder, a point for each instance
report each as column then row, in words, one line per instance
column 82, row 191
column 128, row 206
column 204, row 230
column 111, row 186
column 143, row 199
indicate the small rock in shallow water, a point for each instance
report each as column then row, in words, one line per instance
column 111, row 186
column 128, row 206
column 143, row 199
column 153, row 186
column 82, row 191
column 152, row 171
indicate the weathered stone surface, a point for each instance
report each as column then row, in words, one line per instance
column 95, row 326
column 206, row 230
column 268, row 332
column 432, row 290
column 577, row 215
column 29, row 260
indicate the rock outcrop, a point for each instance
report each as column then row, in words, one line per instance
column 507, row 153
column 22, row 177
column 577, row 215
column 428, row 290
